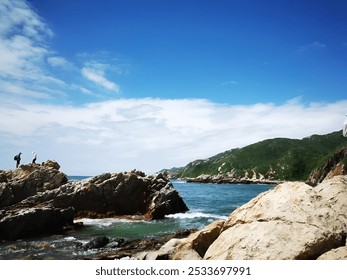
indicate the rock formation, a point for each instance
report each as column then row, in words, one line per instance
column 28, row 180
column 336, row 165
column 230, row 178
column 291, row 221
column 38, row 199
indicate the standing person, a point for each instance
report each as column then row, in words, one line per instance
column 17, row 159
column 34, row 157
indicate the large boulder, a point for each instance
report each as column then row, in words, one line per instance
column 198, row 243
column 335, row 254
column 192, row 247
column 292, row 221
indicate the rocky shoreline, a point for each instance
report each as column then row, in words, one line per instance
column 37, row 200
column 292, row 221
column 226, row 179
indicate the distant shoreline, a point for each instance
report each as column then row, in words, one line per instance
column 219, row 180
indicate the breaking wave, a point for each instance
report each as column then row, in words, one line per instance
column 196, row 215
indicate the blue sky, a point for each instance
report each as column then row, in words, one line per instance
column 225, row 51
column 115, row 85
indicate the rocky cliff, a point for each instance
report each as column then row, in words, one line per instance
column 335, row 165
column 292, row 221
column 38, row 199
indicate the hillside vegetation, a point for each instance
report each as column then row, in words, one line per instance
column 278, row 159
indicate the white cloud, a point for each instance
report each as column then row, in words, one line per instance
column 17, row 16
column 60, row 62
column 23, row 52
column 97, row 76
column 25, row 57
column 151, row 134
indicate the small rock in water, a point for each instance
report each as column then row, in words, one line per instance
column 117, row 242
column 97, row 242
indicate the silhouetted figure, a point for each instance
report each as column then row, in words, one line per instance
column 17, row 159
column 34, row 157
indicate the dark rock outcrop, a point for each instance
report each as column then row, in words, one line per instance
column 336, row 165
column 119, row 194
column 230, row 179
column 31, row 222
column 38, row 199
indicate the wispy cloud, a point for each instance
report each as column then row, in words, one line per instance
column 151, row 134
column 23, row 50
column 98, row 76
column 28, row 65
column 17, row 15
column 59, row 62
column 228, row 83
column 312, row 46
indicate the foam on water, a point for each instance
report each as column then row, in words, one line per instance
column 194, row 215
column 106, row 222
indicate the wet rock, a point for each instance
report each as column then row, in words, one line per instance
column 139, row 249
column 115, row 243
column 97, row 242
column 31, row 222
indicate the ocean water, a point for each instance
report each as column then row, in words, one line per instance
column 206, row 203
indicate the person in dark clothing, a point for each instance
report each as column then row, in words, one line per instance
column 17, row 159
column 34, row 157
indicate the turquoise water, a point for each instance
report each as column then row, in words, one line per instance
column 206, row 203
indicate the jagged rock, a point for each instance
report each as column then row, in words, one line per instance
column 118, row 194
column 231, row 178
column 292, row 221
column 52, row 164
column 333, row 167
column 167, row 200
column 34, row 190
column 28, row 180
column 31, row 222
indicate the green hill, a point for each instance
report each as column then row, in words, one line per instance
column 278, row 159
